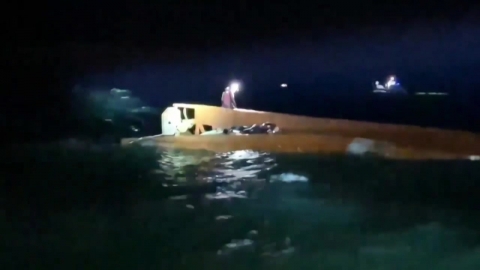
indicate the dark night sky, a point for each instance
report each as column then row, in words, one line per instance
column 165, row 51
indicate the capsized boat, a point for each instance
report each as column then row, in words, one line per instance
column 187, row 125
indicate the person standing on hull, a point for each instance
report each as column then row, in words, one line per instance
column 228, row 96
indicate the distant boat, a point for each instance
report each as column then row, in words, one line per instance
column 390, row 87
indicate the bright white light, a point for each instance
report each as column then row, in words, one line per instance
column 235, row 86
column 283, row 85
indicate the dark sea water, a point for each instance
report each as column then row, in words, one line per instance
column 252, row 210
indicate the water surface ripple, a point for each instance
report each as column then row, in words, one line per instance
column 310, row 212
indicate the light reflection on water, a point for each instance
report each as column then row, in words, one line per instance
column 270, row 211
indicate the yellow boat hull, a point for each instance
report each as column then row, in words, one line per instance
column 301, row 134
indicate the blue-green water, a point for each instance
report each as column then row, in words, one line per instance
column 264, row 211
